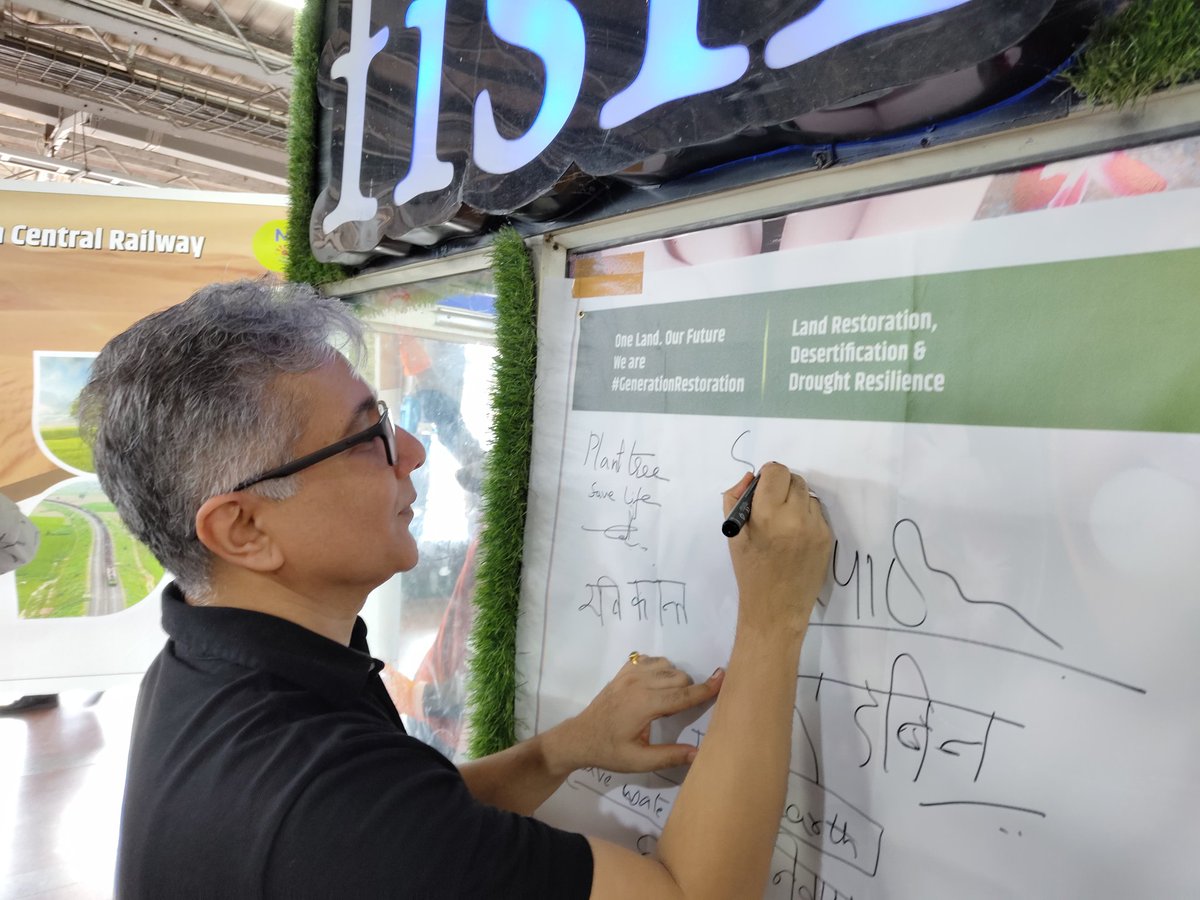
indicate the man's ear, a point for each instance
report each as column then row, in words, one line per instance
column 228, row 526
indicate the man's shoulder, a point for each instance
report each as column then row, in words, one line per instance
column 381, row 823
column 188, row 698
column 221, row 755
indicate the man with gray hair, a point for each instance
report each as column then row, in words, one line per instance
column 237, row 441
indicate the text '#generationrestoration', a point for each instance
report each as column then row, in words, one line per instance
column 680, row 384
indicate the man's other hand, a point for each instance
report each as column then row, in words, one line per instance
column 613, row 732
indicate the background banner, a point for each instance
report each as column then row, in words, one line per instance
column 77, row 266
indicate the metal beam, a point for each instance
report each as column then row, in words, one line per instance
column 16, row 159
column 62, row 131
column 120, row 126
column 139, row 25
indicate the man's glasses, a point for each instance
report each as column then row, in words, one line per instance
column 381, row 429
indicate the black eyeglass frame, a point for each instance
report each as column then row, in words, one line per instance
column 381, row 429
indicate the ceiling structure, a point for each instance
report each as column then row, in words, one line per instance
column 161, row 93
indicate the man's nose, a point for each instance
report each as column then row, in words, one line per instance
column 410, row 453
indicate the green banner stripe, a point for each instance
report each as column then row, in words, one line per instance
column 1098, row 343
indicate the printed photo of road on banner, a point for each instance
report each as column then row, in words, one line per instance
column 992, row 388
column 79, row 264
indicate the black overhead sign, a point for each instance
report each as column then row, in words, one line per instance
column 439, row 114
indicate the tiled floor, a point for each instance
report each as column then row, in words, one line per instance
column 61, row 776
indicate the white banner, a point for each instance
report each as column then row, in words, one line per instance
column 996, row 695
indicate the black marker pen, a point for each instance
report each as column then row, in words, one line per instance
column 740, row 514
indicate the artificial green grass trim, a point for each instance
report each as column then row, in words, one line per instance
column 301, row 265
column 492, row 679
column 1148, row 46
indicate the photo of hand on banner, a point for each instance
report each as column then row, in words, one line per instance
column 18, row 537
column 1119, row 173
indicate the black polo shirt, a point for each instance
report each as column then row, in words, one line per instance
column 268, row 761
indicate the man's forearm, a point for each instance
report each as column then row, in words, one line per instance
column 717, row 842
column 520, row 778
column 611, row 732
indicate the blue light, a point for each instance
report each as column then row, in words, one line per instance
column 837, row 21
column 426, row 172
column 675, row 65
column 553, row 30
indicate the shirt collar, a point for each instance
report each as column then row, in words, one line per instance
column 257, row 640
